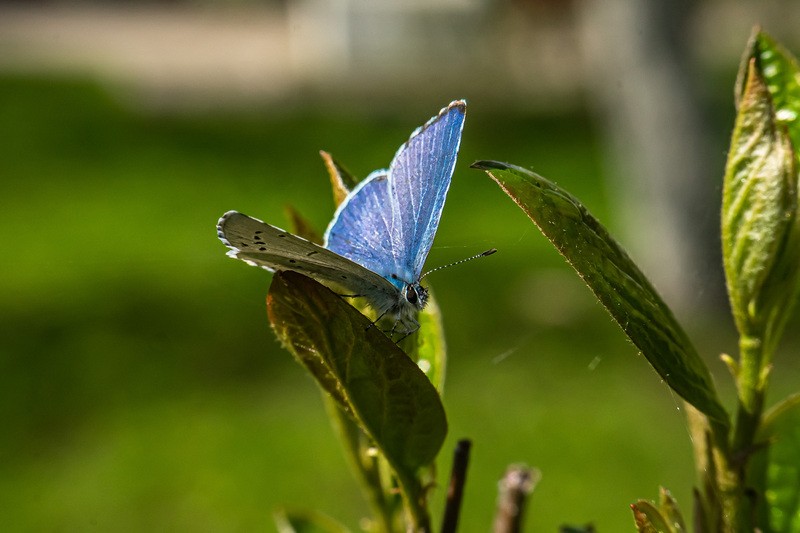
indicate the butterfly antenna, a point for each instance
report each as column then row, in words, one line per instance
column 482, row 254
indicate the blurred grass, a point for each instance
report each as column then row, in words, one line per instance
column 141, row 388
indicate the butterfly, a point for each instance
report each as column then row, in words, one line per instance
column 377, row 243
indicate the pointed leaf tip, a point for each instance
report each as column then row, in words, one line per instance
column 616, row 281
column 489, row 165
column 760, row 226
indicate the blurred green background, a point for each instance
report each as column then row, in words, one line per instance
column 141, row 388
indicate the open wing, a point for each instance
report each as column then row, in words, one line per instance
column 260, row 244
column 387, row 223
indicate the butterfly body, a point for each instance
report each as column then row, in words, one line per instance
column 377, row 243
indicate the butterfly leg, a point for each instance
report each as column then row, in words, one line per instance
column 377, row 320
column 410, row 326
column 408, row 333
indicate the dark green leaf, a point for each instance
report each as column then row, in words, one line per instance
column 306, row 522
column 427, row 346
column 364, row 372
column 588, row 528
column 615, row 280
column 700, row 517
column 301, row 227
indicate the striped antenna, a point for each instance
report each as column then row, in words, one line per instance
column 482, row 254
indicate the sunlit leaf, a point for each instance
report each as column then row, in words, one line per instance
column 431, row 351
column 294, row 521
column 759, row 241
column 615, row 280
column 666, row 518
column 648, row 518
column 668, row 508
column 706, row 507
column 779, row 68
column 776, row 468
column 767, row 64
column 364, row 372
column 342, row 181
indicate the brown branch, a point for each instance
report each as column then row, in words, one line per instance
column 455, row 492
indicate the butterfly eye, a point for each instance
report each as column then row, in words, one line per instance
column 411, row 294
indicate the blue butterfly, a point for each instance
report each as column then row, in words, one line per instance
column 377, row 243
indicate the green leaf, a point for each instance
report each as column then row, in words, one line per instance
column 759, row 241
column 290, row 521
column 776, row 468
column 364, row 372
column 706, row 505
column 427, row 347
column 779, row 71
column 668, row 508
column 301, row 227
column 666, row 518
column 648, row 519
column 701, row 514
column 779, row 68
column 616, row 281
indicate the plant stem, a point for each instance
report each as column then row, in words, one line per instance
column 737, row 511
column 455, row 491
column 751, row 387
column 419, row 521
column 365, row 469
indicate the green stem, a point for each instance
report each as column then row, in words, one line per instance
column 728, row 507
column 365, row 469
column 414, row 499
column 751, row 387
column 737, row 511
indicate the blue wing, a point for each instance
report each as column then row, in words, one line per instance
column 388, row 222
column 360, row 227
